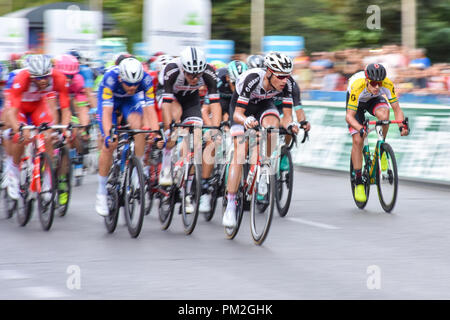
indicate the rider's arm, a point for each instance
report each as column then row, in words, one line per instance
column 19, row 85
column 150, row 118
column 61, row 87
column 210, row 79
column 171, row 73
column 388, row 89
column 352, row 104
column 350, row 117
column 250, row 83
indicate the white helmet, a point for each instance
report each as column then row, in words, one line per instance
column 131, row 70
column 193, row 60
column 278, row 62
column 39, row 65
column 162, row 61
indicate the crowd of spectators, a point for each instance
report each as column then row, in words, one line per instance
column 409, row 69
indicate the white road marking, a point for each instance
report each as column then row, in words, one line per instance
column 43, row 292
column 314, row 224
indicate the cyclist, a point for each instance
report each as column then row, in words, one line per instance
column 253, row 104
column 32, row 97
column 365, row 93
column 88, row 76
column 299, row 112
column 126, row 91
column 255, row 61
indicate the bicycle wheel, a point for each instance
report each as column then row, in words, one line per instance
column 8, row 204
column 134, row 196
column 387, row 179
column 284, row 184
column 64, row 178
column 262, row 205
column 46, row 198
column 216, row 184
column 240, row 195
column 166, row 207
column 113, row 200
column 192, row 189
column 366, row 182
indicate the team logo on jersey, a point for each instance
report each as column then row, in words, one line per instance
column 150, row 93
column 353, row 97
column 107, row 93
column 110, row 81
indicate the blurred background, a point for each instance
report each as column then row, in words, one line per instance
column 329, row 40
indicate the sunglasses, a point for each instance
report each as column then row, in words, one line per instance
column 281, row 76
column 193, row 75
column 375, row 83
column 40, row 78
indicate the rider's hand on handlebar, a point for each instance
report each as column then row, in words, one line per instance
column 250, row 122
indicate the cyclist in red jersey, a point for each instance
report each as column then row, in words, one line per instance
column 32, row 100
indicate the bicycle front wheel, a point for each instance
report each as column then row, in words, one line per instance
column 387, row 177
column 190, row 197
column 232, row 232
column 64, row 178
column 134, row 196
column 46, row 197
column 262, row 205
column 284, row 183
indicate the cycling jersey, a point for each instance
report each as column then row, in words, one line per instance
column 357, row 90
column 111, row 94
column 250, row 88
column 111, row 89
column 76, row 90
column 88, row 76
column 176, row 85
column 23, row 90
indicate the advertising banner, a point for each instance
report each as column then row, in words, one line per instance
column 72, row 29
column 13, row 36
column 169, row 26
column 422, row 156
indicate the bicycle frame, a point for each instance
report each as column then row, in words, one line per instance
column 371, row 159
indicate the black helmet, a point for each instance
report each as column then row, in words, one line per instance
column 375, row 72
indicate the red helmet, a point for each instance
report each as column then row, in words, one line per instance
column 15, row 56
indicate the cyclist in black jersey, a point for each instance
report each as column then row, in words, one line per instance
column 183, row 77
column 252, row 104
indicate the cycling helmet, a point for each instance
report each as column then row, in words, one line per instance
column 131, row 70
column 161, row 62
column 235, row 69
column 255, row 61
column 375, row 72
column 39, row 65
column 67, row 64
column 278, row 62
column 193, row 60
column 121, row 56
column 74, row 53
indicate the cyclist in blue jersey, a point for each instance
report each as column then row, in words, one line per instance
column 126, row 91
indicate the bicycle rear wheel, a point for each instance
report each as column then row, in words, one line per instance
column 193, row 190
column 387, row 179
column 284, row 184
column 64, row 179
column 46, row 197
column 262, row 205
column 134, row 196
column 366, row 182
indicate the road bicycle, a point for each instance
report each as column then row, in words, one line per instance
column 37, row 179
column 186, row 187
column 379, row 167
column 125, row 183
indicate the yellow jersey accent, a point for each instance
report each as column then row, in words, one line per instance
column 107, row 93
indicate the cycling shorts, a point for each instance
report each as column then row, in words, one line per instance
column 34, row 113
column 370, row 106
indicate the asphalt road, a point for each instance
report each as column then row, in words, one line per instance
column 325, row 248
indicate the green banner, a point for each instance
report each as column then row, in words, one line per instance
column 423, row 155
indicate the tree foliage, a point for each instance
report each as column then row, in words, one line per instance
column 325, row 24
